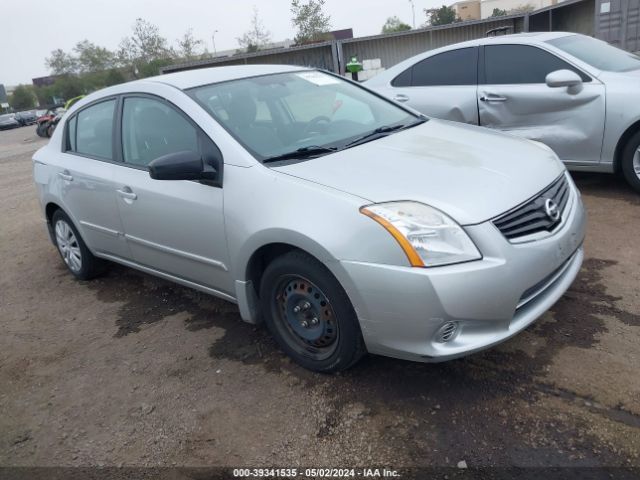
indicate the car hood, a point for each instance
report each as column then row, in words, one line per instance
column 470, row 173
column 630, row 76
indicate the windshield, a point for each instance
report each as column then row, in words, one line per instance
column 597, row 53
column 6, row 117
column 275, row 114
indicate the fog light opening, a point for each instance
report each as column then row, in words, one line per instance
column 447, row 332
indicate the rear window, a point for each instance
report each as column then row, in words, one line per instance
column 91, row 131
column 455, row 67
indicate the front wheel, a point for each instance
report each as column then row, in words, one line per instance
column 309, row 314
column 631, row 162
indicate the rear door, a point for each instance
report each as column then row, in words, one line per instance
column 85, row 175
column 173, row 226
column 441, row 86
column 513, row 97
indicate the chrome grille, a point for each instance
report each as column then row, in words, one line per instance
column 533, row 217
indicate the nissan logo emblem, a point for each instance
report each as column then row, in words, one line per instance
column 551, row 209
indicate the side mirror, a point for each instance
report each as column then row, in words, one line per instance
column 186, row 165
column 565, row 78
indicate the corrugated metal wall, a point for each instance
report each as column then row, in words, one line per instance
column 618, row 22
column 392, row 49
column 570, row 15
column 321, row 55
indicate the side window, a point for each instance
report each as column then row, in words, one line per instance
column 151, row 129
column 404, row 79
column 456, row 67
column 91, row 130
column 517, row 64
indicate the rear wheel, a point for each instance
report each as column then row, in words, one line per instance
column 74, row 252
column 631, row 162
column 309, row 314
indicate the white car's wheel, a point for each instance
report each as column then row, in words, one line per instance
column 631, row 162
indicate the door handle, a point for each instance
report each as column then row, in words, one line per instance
column 65, row 176
column 493, row 98
column 401, row 98
column 127, row 193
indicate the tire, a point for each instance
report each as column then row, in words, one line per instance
column 50, row 129
column 309, row 314
column 74, row 252
column 631, row 162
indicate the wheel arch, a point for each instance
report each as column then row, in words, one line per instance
column 49, row 210
column 265, row 247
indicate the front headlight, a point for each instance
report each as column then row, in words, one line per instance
column 428, row 237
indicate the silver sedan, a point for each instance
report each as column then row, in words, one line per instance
column 578, row 95
column 343, row 221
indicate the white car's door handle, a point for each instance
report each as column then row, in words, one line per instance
column 401, row 98
column 493, row 98
column 65, row 176
column 127, row 193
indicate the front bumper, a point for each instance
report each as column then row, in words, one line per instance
column 401, row 309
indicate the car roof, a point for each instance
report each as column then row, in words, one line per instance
column 530, row 37
column 527, row 38
column 190, row 79
column 205, row 76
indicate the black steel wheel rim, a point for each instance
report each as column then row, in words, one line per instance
column 305, row 317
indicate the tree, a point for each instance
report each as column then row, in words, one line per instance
column 68, row 86
column 22, row 98
column 92, row 58
column 144, row 45
column 311, row 22
column 257, row 37
column 441, row 16
column 497, row 12
column 60, row 62
column 526, row 8
column 189, row 47
column 394, row 24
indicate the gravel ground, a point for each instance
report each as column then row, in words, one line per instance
column 132, row 370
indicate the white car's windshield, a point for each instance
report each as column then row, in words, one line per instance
column 305, row 111
column 597, row 53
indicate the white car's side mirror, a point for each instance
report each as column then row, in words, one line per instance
column 565, row 78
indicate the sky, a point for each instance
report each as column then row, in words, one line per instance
column 32, row 29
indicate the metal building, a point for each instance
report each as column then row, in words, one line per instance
column 618, row 22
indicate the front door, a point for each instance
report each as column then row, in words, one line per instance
column 175, row 227
column 514, row 97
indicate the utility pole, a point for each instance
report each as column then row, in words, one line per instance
column 213, row 39
column 413, row 11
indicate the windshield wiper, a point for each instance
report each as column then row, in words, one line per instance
column 304, row 152
column 382, row 131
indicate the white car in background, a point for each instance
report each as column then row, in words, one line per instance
column 578, row 95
